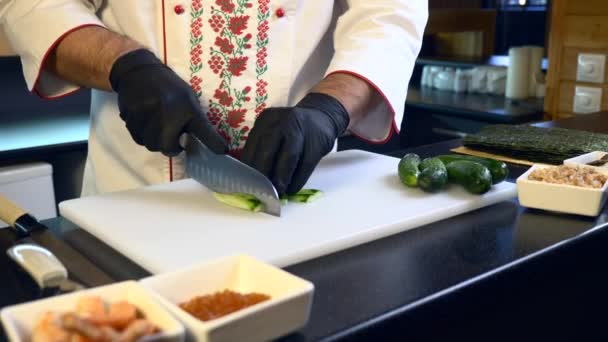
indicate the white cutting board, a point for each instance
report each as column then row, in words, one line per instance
column 170, row 226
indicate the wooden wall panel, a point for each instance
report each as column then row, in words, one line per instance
column 586, row 31
column 558, row 9
column 569, row 61
column 576, row 26
column 464, row 20
column 586, row 7
column 564, row 115
column 566, row 97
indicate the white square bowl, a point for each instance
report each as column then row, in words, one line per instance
column 583, row 159
column 19, row 320
column 287, row 310
column 559, row 197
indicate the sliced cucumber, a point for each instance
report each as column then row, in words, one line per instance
column 251, row 203
column 241, row 201
column 304, row 196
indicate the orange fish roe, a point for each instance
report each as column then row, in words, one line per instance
column 219, row 304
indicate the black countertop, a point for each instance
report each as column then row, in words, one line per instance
column 483, row 107
column 501, row 270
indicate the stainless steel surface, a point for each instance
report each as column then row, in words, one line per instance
column 224, row 174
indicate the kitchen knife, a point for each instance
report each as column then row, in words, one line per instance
column 225, row 174
column 27, row 229
column 44, row 268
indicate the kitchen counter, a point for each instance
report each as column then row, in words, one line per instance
column 485, row 107
column 501, row 272
column 40, row 135
column 433, row 115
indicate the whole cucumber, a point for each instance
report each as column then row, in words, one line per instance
column 497, row 168
column 408, row 170
column 433, row 175
column 473, row 176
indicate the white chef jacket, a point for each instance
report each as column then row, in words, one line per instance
column 239, row 56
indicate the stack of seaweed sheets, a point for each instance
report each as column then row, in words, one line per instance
column 536, row 144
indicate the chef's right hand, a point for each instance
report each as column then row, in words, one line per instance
column 158, row 106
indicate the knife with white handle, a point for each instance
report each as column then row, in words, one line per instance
column 28, row 230
column 44, row 268
column 225, row 174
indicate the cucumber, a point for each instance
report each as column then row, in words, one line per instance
column 251, row 203
column 241, row 201
column 408, row 170
column 473, row 176
column 433, row 175
column 303, row 196
column 498, row 169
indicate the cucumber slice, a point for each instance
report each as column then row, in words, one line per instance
column 251, row 203
column 304, row 196
column 241, row 201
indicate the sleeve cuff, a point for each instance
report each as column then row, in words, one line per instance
column 379, row 125
column 35, row 34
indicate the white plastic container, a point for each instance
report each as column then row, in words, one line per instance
column 432, row 74
column 31, row 187
column 461, row 81
column 560, row 197
column 287, row 310
column 19, row 320
column 582, row 160
column 425, row 76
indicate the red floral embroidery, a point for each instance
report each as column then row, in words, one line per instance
column 216, row 63
column 237, row 65
column 261, row 65
column 225, row 136
column 226, row 5
column 227, row 110
column 224, row 45
column 238, row 24
column 217, row 23
column 196, row 50
column 195, row 83
column 215, row 115
column 224, row 97
column 236, row 117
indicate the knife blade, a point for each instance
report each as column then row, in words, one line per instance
column 27, row 229
column 225, row 174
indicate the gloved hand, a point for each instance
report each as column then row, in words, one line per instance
column 286, row 144
column 158, row 106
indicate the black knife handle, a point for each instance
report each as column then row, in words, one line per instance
column 25, row 225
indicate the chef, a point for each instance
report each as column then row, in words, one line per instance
column 274, row 83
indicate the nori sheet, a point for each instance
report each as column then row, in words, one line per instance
column 536, row 144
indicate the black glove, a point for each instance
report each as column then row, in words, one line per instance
column 286, row 144
column 158, row 106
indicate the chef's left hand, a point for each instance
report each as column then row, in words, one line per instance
column 287, row 143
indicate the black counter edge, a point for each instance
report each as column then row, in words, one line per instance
column 460, row 287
